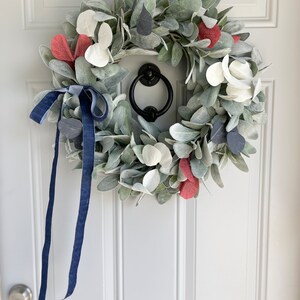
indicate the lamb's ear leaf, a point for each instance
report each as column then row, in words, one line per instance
column 215, row 174
column 108, row 183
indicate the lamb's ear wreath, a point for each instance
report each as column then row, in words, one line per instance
column 101, row 130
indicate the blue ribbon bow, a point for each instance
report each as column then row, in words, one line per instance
column 90, row 112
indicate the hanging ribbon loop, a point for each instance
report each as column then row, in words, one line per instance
column 90, row 112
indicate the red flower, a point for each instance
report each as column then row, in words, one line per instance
column 236, row 38
column 213, row 34
column 61, row 49
column 189, row 188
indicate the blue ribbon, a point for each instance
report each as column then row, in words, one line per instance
column 90, row 112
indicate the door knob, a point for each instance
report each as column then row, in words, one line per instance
column 20, row 292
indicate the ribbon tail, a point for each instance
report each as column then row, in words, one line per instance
column 48, row 224
column 86, row 180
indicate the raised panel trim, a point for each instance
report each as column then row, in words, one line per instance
column 36, row 15
column 31, row 19
column 187, row 223
column 118, row 249
column 265, row 173
column 262, row 15
column 36, row 185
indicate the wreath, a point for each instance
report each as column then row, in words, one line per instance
column 132, row 154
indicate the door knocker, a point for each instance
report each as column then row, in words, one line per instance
column 149, row 75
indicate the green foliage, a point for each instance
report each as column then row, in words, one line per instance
column 133, row 155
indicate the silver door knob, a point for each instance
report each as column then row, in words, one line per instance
column 20, row 292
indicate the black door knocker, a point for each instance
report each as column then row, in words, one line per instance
column 149, row 75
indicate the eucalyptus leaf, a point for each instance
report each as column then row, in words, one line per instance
column 151, row 180
column 149, row 6
column 151, row 155
column 166, row 156
column 235, row 142
column 144, row 23
column 218, row 133
column 182, row 133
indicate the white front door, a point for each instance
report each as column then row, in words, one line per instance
column 238, row 243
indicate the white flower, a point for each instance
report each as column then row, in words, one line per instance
column 86, row 23
column 239, row 79
column 98, row 54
